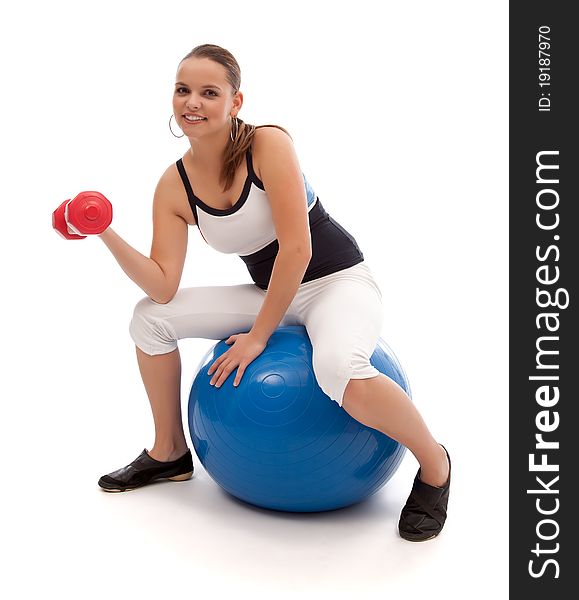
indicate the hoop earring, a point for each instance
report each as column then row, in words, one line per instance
column 177, row 136
column 234, row 120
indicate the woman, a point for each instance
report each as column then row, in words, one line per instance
column 243, row 187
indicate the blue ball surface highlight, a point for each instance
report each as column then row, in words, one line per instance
column 277, row 441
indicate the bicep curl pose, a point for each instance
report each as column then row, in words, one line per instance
column 242, row 186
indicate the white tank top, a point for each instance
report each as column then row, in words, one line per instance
column 248, row 225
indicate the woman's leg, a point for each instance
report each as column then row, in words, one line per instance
column 204, row 312
column 161, row 376
column 381, row 403
column 344, row 319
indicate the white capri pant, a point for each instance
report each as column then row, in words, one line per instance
column 342, row 314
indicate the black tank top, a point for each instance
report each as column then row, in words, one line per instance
column 333, row 248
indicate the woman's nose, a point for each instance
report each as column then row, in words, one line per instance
column 193, row 102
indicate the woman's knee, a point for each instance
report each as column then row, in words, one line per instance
column 333, row 370
column 334, row 367
column 150, row 329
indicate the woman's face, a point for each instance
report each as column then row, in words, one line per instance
column 202, row 89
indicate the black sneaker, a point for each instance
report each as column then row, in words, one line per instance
column 145, row 469
column 424, row 513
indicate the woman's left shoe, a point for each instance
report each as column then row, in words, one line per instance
column 424, row 514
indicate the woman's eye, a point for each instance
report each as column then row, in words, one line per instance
column 183, row 90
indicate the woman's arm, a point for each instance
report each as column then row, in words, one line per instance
column 158, row 275
column 145, row 272
column 288, row 271
column 284, row 184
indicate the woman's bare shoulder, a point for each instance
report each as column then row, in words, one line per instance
column 264, row 139
column 171, row 191
column 265, row 134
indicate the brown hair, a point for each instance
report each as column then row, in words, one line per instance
column 235, row 150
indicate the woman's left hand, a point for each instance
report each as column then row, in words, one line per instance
column 246, row 347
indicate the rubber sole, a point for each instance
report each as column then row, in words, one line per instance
column 183, row 477
column 417, row 539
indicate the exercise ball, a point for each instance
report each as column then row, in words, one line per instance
column 277, row 441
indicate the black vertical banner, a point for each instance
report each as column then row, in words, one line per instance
column 543, row 330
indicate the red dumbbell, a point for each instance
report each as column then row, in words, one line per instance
column 88, row 213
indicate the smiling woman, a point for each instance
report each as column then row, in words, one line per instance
column 200, row 82
column 243, row 186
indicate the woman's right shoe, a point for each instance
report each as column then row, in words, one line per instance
column 145, row 469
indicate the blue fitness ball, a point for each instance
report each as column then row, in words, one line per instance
column 277, row 441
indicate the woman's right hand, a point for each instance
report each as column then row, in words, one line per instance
column 88, row 213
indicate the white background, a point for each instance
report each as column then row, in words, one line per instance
column 398, row 112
